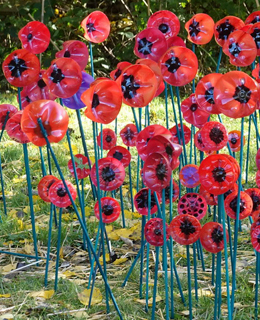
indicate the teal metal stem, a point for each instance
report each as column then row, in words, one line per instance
column 4, row 124
column 230, row 240
column 182, row 131
column 189, row 281
column 166, row 108
column 42, row 162
column 48, row 247
column 165, row 265
column 122, row 206
column 219, row 59
column 256, row 284
column 147, row 257
column 58, row 252
column 91, row 59
column 116, row 126
column 2, row 186
column 130, row 183
column 93, row 258
column 191, row 142
column 50, row 172
column 193, row 81
column 136, row 121
column 142, row 259
column 228, row 145
column 195, row 271
column 83, row 214
column 137, row 173
column 217, row 286
column 157, row 254
column 213, row 255
column 248, row 148
column 22, row 255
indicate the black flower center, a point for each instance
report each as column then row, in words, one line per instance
column 258, row 238
column 217, row 235
column 233, row 140
column 242, row 94
column 224, row 30
column 234, row 49
column 163, row 27
column 129, row 86
column 107, row 209
column 29, row 37
column 209, row 95
column 57, row 76
column 194, row 29
column 117, row 73
column 142, row 199
column 90, row 27
column 108, row 138
column 129, row 134
column 66, row 54
column 161, row 171
column 255, row 20
column 145, row 46
column 256, row 202
column 167, row 192
column 173, row 64
column 227, row 193
column 95, row 101
column 169, row 150
column 28, row 99
column 256, row 35
column 194, row 107
column 158, row 232
column 233, row 205
column 216, row 135
column 17, row 67
column 61, row 192
column 108, row 174
column 41, row 84
column 187, row 227
column 118, row 155
column 219, row 174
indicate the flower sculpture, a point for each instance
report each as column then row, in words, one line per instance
column 186, row 133
column 225, row 26
column 212, row 237
column 245, row 205
column 154, row 66
column 234, row 139
column 174, row 195
column 193, row 204
column 189, row 176
column 44, row 187
column 211, row 199
column 153, row 232
column 82, row 166
column 110, row 209
column 121, row 154
column 129, row 135
column 175, row 41
column 4, row 108
column 13, row 128
column 254, row 31
column 214, row 135
column 141, row 202
column 254, row 17
column 59, row 196
column 254, row 194
column 108, row 139
column 121, row 66
column 96, row 26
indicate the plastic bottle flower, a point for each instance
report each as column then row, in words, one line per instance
column 4, row 108
column 225, row 26
column 193, row 204
column 179, row 66
column 175, row 41
column 154, row 66
column 214, row 135
column 234, row 139
column 175, row 192
column 185, row 229
column 254, row 31
column 13, row 128
column 255, row 73
column 103, row 100
column 189, row 176
column 233, row 189
column 212, row 237
column 82, row 166
column 59, row 196
column 198, row 141
column 200, row 28
column 254, row 194
column 44, row 186
column 153, row 232
column 25, row 100
column 129, row 134
column 254, row 17
column 110, row 209
column 141, row 202
column 63, row 77
column 21, row 68
column 75, row 50
column 186, row 133
column 54, row 118
column 211, row 199
column 235, row 165
column 96, row 26
column 245, row 206
column 257, row 159
column 255, row 235
column 111, row 174
column 35, row 37
column 138, row 85
column 121, row 154
column 108, row 139
column 121, row 66
column 257, row 178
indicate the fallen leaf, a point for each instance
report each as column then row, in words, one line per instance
column 120, row 261
column 80, row 315
column 85, row 294
column 8, row 268
column 73, row 147
column 6, row 295
column 150, row 301
column 7, row 316
column 46, row 294
column 28, row 249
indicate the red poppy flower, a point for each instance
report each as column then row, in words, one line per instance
column 75, row 50
column 150, row 43
column 204, row 92
column 214, row 135
column 186, row 133
column 21, row 68
column 156, row 172
column 200, row 28
column 103, row 100
column 153, row 232
column 234, row 139
column 189, row 176
column 179, row 66
column 254, row 31
column 63, row 77
column 54, row 118
column 245, row 207
column 96, row 26
column 193, row 204
column 198, row 141
column 160, row 89
column 121, row 154
column 121, row 66
column 211, row 199
column 255, row 236
column 241, row 48
column 25, row 100
column 111, row 174
column 110, row 210
column 4, row 108
column 175, row 41
column 166, row 21
column 257, row 178
column 13, row 128
column 212, row 237
column 82, row 166
column 141, row 202
column 193, row 113
column 129, row 135
column 59, row 196
column 217, row 174
column 145, row 135
column 233, row 189
column 254, row 194
column 109, row 139
column 254, row 17
column 175, row 192
column 138, row 84
column 44, row 186
column 225, row 26
column 185, row 229
column 236, row 94
column 255, row 73
column 153, row 66
column 35, row 37
column 235, row 165
column 256, row 217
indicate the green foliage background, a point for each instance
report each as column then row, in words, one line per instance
column 127, row 17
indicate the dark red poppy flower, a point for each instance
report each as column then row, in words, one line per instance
column 166, row 21
column 4, row 108
column 189, row 176
column 204, row 93
column 254, row 31
column 103, row 100
column 217, row 174
column 235, row 165
column 200, row 28
column 254, row 17
column 255, row 73
column 257, row 178
column 110, row 210
column 44, row 186
column 138, row 84
column 121, row 66
column 153, row 232
column 186, row 133
column 129, row 134
column 193, row 113
column 236, row 94
column 211, row 199
column 141, row 202
column 35, row 37
column 245, row 206
column 25, row 100
column 121, row 154
column 153, row 66
column 256, row 217
column 214, row 135
column 96, row 26
column 82, row 166
column 76, row 50
column 111, row 174
column 185, row 229
column 212, row 237
column 13, row 128
column 255, row 236
column 59, row 196
column 241, row 48
column 21, row 68
column 63, row 77
column 175, row 41
column 198, row 141
column 160, row 89
column 145, row 135
column 193, row 204
column 54, row 118
column 234, row 139
column 108, row 139
column 257, row 158
column 254, row 194
column 225, row 26
column 233, row 189
column 179, row 66
column 175, row 192
column 150, row 43
column 156, row 172
column 254, row 225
